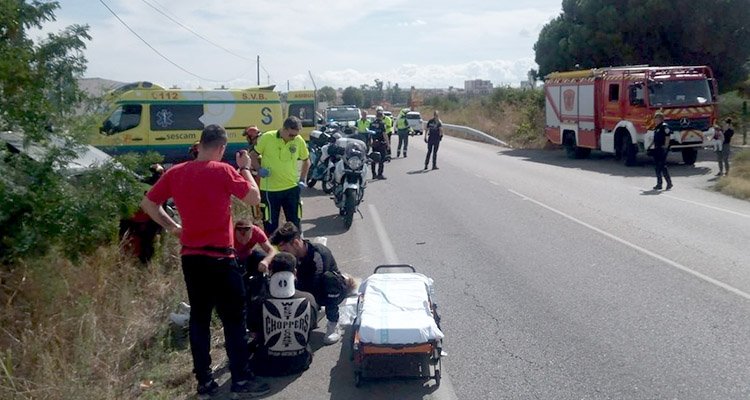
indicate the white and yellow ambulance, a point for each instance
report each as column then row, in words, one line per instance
column 146, row 117
column 302, row 104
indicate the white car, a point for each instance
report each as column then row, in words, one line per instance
column 415, row 122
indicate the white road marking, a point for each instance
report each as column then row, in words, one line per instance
column 385, row 241
column 446, row 391
column 707, row 206
column 663, row 194
column 650, row 253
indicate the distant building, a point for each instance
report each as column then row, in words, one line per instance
column 478, row 86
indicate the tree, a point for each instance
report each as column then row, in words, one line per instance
column 353, row 96
column 600, row 33
column 38, row 85
column 327, row 94
column 39, row 207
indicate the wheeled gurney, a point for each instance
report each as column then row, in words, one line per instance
column 396, row 323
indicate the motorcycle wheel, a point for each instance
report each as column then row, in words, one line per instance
column 350, row 203
column 327, row 183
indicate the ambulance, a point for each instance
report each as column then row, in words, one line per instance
column 302, row 104
column 146, row 117
column 611, row 109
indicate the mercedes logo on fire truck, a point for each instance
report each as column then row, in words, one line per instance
column 684, row 122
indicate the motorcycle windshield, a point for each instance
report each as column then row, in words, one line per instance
column 352, row 147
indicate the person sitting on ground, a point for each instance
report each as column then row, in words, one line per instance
column 317, row 273
column 285, row 321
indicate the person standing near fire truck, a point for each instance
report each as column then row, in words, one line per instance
column 660, row 151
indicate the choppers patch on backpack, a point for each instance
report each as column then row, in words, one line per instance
column 286, row 324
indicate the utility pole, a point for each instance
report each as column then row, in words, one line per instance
column 257, row 65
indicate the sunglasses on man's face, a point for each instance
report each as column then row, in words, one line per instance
column 243, row 228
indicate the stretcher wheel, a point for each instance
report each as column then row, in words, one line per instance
column 437, row 377
column 357, row 379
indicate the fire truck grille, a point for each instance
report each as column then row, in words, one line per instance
column 683, row 124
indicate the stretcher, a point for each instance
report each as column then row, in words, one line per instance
column 396, row 324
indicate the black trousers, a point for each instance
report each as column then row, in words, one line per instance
column 382, row 148
column 432, row 148
column 216, row 282
column 331, row 294
column 660, row 166
column 288, row 200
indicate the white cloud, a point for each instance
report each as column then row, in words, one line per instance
column 343, row 42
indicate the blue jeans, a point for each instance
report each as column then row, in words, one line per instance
column 216, row 282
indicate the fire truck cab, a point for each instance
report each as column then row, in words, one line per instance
column 612, row 109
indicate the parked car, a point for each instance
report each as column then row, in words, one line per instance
column 414, row 118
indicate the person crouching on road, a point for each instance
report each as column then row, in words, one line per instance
column 285, row 321
column 660, row 151
column 202, row 190
column 317, row 273
column 254, row 262
column 277, row 154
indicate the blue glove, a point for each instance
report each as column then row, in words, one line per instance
column 264, row 172
column 301, row 184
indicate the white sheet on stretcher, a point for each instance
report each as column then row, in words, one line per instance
column 396, row 310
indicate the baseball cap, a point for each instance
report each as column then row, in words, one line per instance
column 282, row 281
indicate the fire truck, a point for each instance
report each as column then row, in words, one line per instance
column 612, row 109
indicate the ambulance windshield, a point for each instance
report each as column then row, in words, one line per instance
column 679, row 92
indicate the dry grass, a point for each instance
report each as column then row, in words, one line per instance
column 519, row 126
column 86, row 330
column 737, row 183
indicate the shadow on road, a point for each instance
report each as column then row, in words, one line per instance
column 342, row 381
column 606, row 164
column 326, row 225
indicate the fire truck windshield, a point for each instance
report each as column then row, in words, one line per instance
column 679, row 92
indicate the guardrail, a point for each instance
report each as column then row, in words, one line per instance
column 476, row 134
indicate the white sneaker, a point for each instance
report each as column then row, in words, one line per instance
column 332, row 333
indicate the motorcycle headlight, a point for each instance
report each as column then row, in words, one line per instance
column 354, row 162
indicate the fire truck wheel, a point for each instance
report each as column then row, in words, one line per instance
column 625, row 150
column 689, row 156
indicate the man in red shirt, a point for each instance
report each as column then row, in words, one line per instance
column 202, row 190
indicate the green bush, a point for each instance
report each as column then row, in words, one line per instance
column 41, row 207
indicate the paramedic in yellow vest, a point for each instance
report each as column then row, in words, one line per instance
column 388, row 130
column 363, row 125
column 402, row 129
column 278, row 153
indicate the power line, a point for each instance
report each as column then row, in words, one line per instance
column 192, row 31
column 152, row 47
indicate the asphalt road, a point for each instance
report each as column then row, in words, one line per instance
column 556, row 278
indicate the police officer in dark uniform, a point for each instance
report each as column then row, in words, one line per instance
column 379, row 143
column 660, row 151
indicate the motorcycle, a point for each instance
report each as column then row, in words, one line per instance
column 318, row 159
column 350, row 176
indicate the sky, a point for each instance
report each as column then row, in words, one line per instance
column 426, row 44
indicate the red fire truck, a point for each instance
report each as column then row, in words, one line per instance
column 612, row 109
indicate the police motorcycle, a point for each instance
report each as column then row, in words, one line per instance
column 350, row 175
column 322, row 168
column 319, row 159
